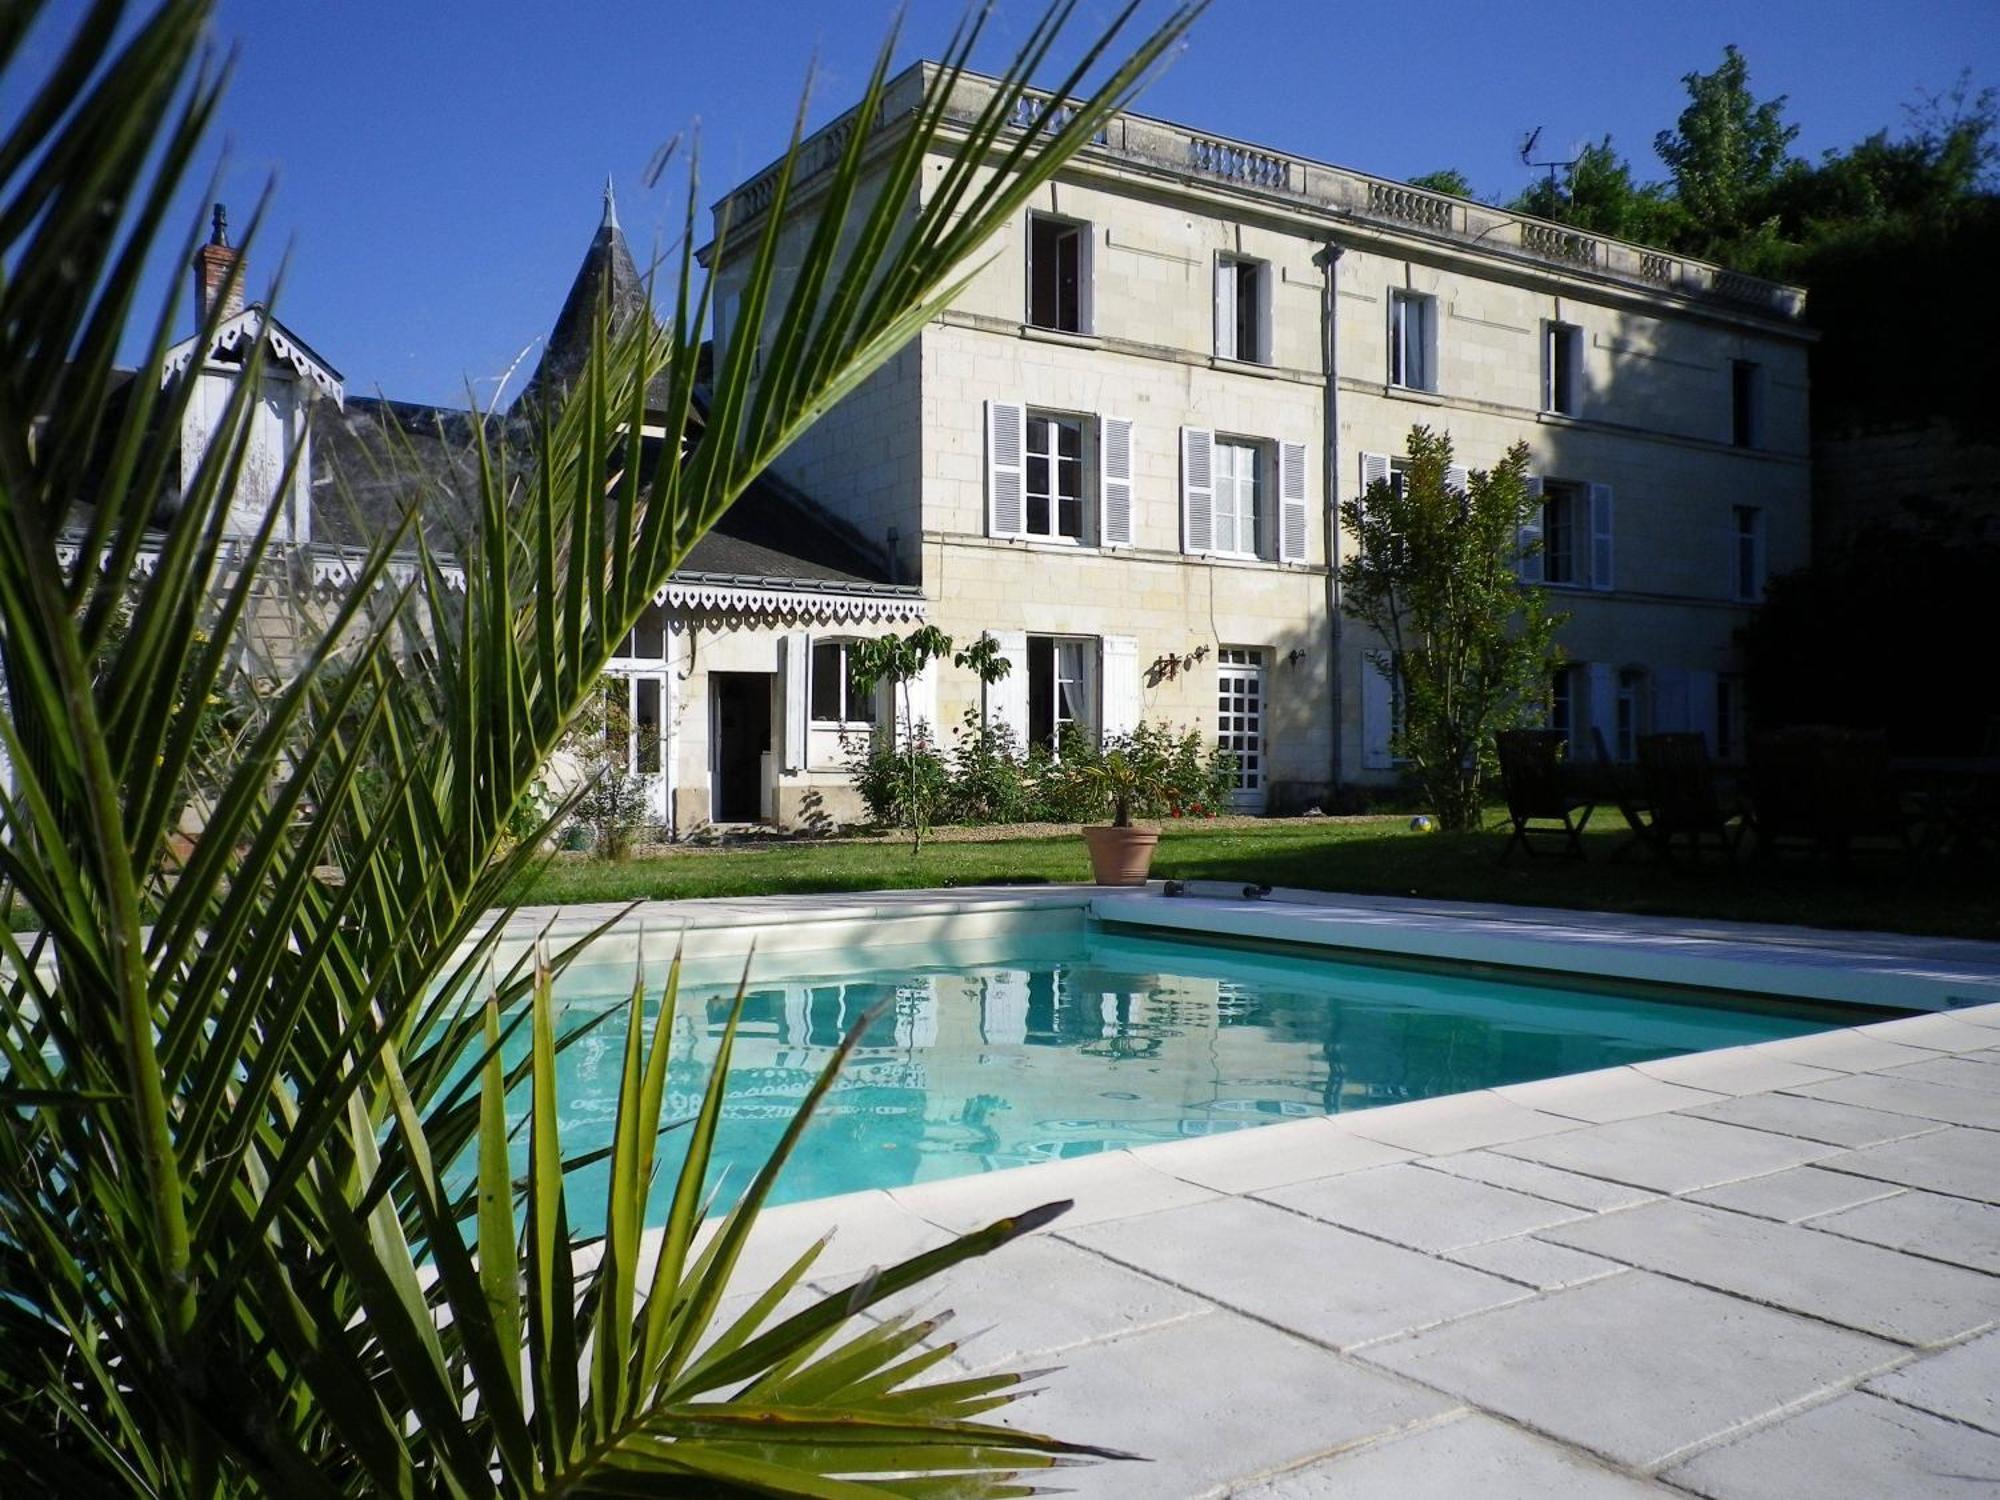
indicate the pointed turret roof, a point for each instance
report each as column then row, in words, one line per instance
column 608, row 272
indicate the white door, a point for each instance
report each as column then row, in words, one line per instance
column 1239, row 720
column 646, row 750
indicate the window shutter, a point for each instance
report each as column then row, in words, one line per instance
column 1086, row 280
column 1378, row 713
column 1457, row 477
column 1226, row 272
column 1122, row 706
column 1114, row 490
column 1267, row 294
column 797, row 665
column 1006, row 436
column 1374, row 470
column 1007, row 700
column 1197, row 490
column 1429, row 374
column 1670, row 700
column 1003, row 1007
column 1600, row 536
column 1600, row 713
column 1701, row 713
column 1292, row 502
column 921, row 709
column 1529, row 569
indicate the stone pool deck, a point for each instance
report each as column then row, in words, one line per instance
column 1768, row 1271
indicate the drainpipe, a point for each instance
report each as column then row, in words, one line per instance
column 1328, row 261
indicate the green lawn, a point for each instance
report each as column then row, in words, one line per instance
column 1374, row 855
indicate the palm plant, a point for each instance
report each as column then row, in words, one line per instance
column 232, row 1257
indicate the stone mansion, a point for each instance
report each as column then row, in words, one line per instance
column 1121, row 452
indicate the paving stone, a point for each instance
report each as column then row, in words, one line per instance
column 1540, row 1181
column 1634, row 1367
column 869, row 1229
column 1977, row 1070
column 1669, row 1153
column 1612, row 1094
column 1964, row 1163
column 1940, row 1033
column 1270, row 1156
column 1037, row 1297
column 1858, row 1447
column 1843, row 1281
column 1535, row 1262
column 1953, row 1229
column 1813, row 1119
column 1432, row 1211
column 1732, row 1070
column 1962, row 1383
column 1978, row 1015
column 1316, row 1279
column 1458, row 1122
column 1109, row 1185
column 1910, row 1096
column 1209, row 1399
column 1845, row 1051
column 1795, row 1194
column 1469, row 1455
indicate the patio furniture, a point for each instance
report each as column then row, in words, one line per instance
column 1539, row 791
column 1682, row 798
column 1829, row 789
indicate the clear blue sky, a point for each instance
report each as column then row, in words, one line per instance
column 438, row 164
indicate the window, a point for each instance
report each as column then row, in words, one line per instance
column 1413, row 341
column 1062, row 689
column 1630, row 722
column 836, row 697
column 1745, row 402
column 647, row 640
column 1239, row 719
column 1238, row 497
column 1242, row 310
column 1729, row 718
column 1747, row 555
column 1563, row 699
column 1562, row 365
column 1054, row 491
column 1562, row 506
column 1058, row 273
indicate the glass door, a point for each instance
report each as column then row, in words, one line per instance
column 1239, row 720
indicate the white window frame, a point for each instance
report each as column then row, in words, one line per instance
column 1566, row 701
column 1630, row 715
column 1570, row 501
column 1562, row 388
column 1084, row 310
column 1258, row 482
column 1047, row 421
column 1243, row 718
column 1747, row 585
column 845, row 724
column 1420, row 373
column 1089, row 679
column 1230, row 274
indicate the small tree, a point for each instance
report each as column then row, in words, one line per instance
column 898, row 661
column 1433, row 570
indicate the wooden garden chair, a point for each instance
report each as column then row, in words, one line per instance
column 1540, row 792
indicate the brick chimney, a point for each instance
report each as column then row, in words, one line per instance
column 218, row 273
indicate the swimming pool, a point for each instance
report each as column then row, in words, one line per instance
column 1026, row 1049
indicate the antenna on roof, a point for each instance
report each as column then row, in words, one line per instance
column 1528, row 151
column 610, row 204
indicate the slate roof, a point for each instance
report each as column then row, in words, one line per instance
column 608, row 274
column 377, row 457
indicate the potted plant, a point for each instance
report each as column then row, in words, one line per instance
column 1130, row 777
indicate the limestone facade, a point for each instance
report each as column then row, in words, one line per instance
column 1230, row 323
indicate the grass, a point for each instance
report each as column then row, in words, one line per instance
column 1371, row 855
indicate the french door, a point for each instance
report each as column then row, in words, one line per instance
column 647, row 703
column 1239, row 721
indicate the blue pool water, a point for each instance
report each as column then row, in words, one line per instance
column 1059, row 1047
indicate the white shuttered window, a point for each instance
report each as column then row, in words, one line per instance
column 1197, row 490
column 1115, row 482
column 1006, row 423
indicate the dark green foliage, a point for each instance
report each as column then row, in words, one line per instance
column 1445, row 180
column 985, row 778
column 1818, row 651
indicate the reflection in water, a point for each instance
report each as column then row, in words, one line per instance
column 972, row 1066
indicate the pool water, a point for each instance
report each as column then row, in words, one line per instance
column 1067, row 1045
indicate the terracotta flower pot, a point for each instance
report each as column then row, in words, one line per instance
column 1120, row 856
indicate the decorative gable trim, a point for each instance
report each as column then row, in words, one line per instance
column 239, row 334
